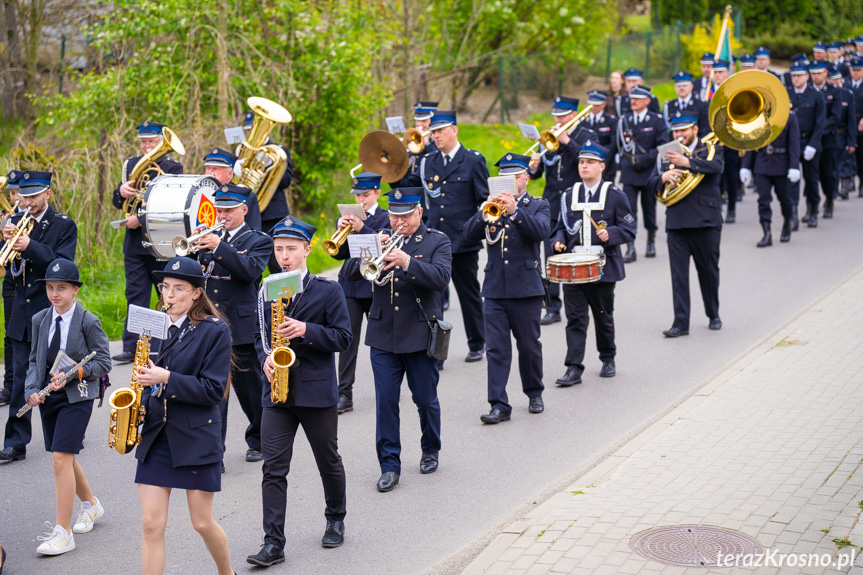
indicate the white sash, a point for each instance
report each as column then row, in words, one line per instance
column 586, row 208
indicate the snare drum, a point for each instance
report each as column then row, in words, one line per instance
column 174, row 205
column 574, row 268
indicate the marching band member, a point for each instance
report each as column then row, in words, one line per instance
column 8, row 290
column 181, row 444
column 423, row 112
column 747, row 62
column 638, row 135
column 358, row 293
column 407, row 293
column 730, row 182
column 561, row 172
column 513, row 293
column 829, row 139
column 138, row 263
column 762, row 61
column 634, row 78
column 855, row 84
column 608, row 206
column 66, row 327
column 233, row 261
column 819, row 52
column 811, row 111
column 604, row 125
column 847, row 133
column 53, row 236
column 686, row 104
column 317, row 327
column 700, row 86
column 693, row 225
column 219, row 163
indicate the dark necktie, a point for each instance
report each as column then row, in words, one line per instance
column 591, row 120
column 445, row 160
column 172, row 332
column 54, row 346
column 368, row 214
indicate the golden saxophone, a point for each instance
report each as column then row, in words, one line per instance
column 283, row 355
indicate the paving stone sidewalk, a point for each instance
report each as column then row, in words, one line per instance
column 770, row 447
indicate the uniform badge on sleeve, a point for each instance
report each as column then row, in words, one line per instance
column 628, row 218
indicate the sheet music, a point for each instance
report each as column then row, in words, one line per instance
column 235, row 135
column 285, row 284
column 364, row 246
column 672, row 146
column 529, row 131
column 395, row 125
column 149, row 321
column 352, row 210
column 500, row 184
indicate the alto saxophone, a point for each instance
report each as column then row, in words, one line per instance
column 126, row 406
column 283, row 355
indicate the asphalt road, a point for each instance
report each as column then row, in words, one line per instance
column 486, row 472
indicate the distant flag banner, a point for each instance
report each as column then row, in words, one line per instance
column 723, row 48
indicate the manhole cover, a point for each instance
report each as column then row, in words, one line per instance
column 692, row 545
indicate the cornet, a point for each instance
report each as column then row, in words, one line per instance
column 185, row 246
column 372, row 268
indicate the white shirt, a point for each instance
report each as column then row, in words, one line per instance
column 590, row 191
column 452, row 153
column 684, row 103
column 64, row 325
column 639, row 118
column 372, row 210
column 179, row 322
column 856, row 85
column 595, row 118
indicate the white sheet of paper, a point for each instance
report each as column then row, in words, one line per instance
column 235, row 135
column 364, row 246
column 529, row 131
column 116, row 224
column 500, row 184
column 149, row 321
column 63, row 363
column 352, row 210
column 395, row 125
column 672, row 146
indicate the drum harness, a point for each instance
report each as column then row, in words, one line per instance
column 584, row 225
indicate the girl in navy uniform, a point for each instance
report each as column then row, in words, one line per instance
column 66, row 326
column 181, row 445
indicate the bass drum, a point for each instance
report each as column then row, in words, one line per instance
column 174, row 205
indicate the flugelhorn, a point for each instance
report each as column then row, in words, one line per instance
column 414, row 140
column 147, row 163
column 332, row 245
column 549, row 138
column 372, row 268
column 185, row 246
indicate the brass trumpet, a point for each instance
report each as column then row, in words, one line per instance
column 185, row 246
column 372, row 268
column 332, row 245
column 415, row 140
column 25, row 226
column 492, row 211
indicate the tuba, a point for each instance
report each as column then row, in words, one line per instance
column 25, row 226
column 126, row 406
column 748, row 111
column 147, row 164
column 283, row 356
column 263, row 164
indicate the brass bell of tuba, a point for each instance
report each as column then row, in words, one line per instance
column 147, row 164
column 263, row 165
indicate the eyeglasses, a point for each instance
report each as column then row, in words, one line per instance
column 165, row 288
column 402, row 216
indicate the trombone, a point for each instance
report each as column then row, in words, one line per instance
column 415, row 140
column 372, row 268
column 549, row 138
column 185, row 246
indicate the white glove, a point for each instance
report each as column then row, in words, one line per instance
column 793, row 175
column 745, row 176
column 238, row 168
column 808, row 153
column 617, row 158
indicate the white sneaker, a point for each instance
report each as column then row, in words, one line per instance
column 56, row 542
column 87, row 516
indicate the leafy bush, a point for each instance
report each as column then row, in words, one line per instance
column 704, row 38
column 784, row 41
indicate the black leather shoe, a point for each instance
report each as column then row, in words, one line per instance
column 550, row 318
column 630, row 255
column 223, row 467
column 608, row 369
column 494, row 416
column 650, row 251
column 473, row 356
column 785, row 234
column 344, row 404
column 730, row 216
column 675, row 332
column 795, row 223
column 388, row 480
column 429, row 462
column 12, row 454
column 767, row 240
column 813, row 221
column 334, row 536
column 253, row 455
column 571, row 377
column 268, row 556
column 6, row 395
column 536, row 405
column 715, row 324
column 123, row 358
column 828, row 211
column 805, row 218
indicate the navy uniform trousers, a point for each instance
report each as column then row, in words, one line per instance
column 764, row 184
column 357, row 308
column 599, row 298
column 247, row 381
column 702, row 245
column 465, row 266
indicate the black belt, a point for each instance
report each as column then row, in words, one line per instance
column 771, row 151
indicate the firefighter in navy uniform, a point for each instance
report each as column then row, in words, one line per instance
column 686, row 104
column 233, row 260
column 53, row 236
column 775, row 167
column 846, row 167
column 513, row 289
column 634, row 78
column 404, row 295
column 730, row 182
column 827, row 168
column 762, row 61
column 560, row 169
column 700, row 84
column 423, row 112
column 601, row 200
column 855, row 84
column 138, row 262
column 8, row 289
column 638, row 135
column 219, row 163
column 809, row 105
column 455, row 180
column 604, row 126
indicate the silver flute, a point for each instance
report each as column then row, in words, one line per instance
column 46, row 391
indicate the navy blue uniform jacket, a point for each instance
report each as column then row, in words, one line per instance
column 56, row 236
column 312, row 380
column 514, row 273
column 619, row 222
column 561, row 167
column 361, row 289
column 463, row 187
column 647, row 135
column 133, row 242
column 233, row 283
column 833, row 109
column 696, row 108
column 606, row 134
column 811, row 115
column 702, row 207
column 779, row 162
column 200, row 364
column 400, row 327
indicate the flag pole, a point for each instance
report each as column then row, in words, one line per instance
column 705, row 89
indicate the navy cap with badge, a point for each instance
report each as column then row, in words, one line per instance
column 183, row 268
column 442, row 119
column 220, row 157
column 633, row 73
column 150, row 129
column 231, row 196
column 682, row 78
column 800, row 59
column 799, row 70
column 820, row 66
column 857, row 63
column 707, row 58
column 640, row 92
column 683, row 122
column 564, row 105
column 512, row 164
column 365, row 182
column 293, row 227
column 834, row 73
column 721, row 66
column 859, row 40
column 596, row 98
column 31, row 183
column 12, row 179
column 62, row 270
column 424, row 110
column 404, row 200
column 747, row 61
column 762, row 52
column 819, row 47
column 834, row 46
column 593, row 151
column 248, row 119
